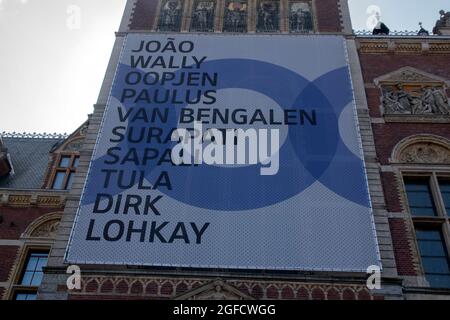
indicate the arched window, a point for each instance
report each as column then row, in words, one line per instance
column 424, row 163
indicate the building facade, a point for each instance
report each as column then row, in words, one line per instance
column 401, row 89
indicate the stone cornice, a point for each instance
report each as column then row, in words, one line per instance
column 37, row 198
column 404, row 45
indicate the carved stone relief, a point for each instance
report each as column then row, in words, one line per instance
column 424, row 152
column 410, row 92
column 46, row 230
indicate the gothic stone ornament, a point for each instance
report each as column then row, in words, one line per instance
column 268, row 16
column 170, row 16
column 443, row 24
column 300, row 17
column 235, row 16
column 203, row 16
column 424, row 152
column 413, row 100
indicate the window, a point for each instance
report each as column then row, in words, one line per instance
column 32, row 275
column 429, row 202
column 64, row 172
column 434, row 257
column 26, row 286
column 444, row 185
column 420, row 198
column 25, row 296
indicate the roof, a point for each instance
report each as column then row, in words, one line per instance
column 29, row 156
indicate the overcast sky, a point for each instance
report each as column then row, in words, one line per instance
column 51, row 68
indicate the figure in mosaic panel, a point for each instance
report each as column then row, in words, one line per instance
column 268, row 16
column 300, row 17
column 235, row 16
column 203, row 13
column 170, row 15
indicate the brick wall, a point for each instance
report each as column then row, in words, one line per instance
column 7, row 257
column 388, row 135
column 144, row 15
column 402, row 247
column 327, row 14
column 391, row 192
column 16, row 220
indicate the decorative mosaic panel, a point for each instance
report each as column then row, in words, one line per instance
column 235, row 16
column 170, row 15
column 268, row 16
column 203, row 13
column 300, row 17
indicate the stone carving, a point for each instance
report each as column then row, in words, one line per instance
column 427, row 100
column 170, row 16
column 75, row 145
column 203, row 16
column 300, row 17
column 443, row 23
column 424, row 152
column 235, row 17
column 46, row 230
column 268, row 16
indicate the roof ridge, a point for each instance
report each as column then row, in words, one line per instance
column 33, row 135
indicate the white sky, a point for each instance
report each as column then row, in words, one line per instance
column 50, row 74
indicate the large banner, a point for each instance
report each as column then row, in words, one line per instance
column 226, row 151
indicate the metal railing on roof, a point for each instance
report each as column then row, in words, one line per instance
column 33, row 135
column 405, row 33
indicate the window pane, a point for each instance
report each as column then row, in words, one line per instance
column 436, row 265
column 32, row 263
column 33, row 269
column 37, row 279
column 58, row 184
column 428, row 235
column 64, row 162
column 41, row 263
column 445, row 191
column 27, row 278
column 21, row 296
column 431, row 249
column 69, row 181
column 434, row 256
column 420, row 198
column 439, row 281
column 76, row 161
column 25, row 296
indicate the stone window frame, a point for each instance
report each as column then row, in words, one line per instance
column 70, row 148
column 33, row 240
column 434, row 172
column 251, row 18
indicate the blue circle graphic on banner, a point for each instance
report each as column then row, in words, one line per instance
column 306, row 154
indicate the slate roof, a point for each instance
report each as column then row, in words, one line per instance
column 29, row 157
